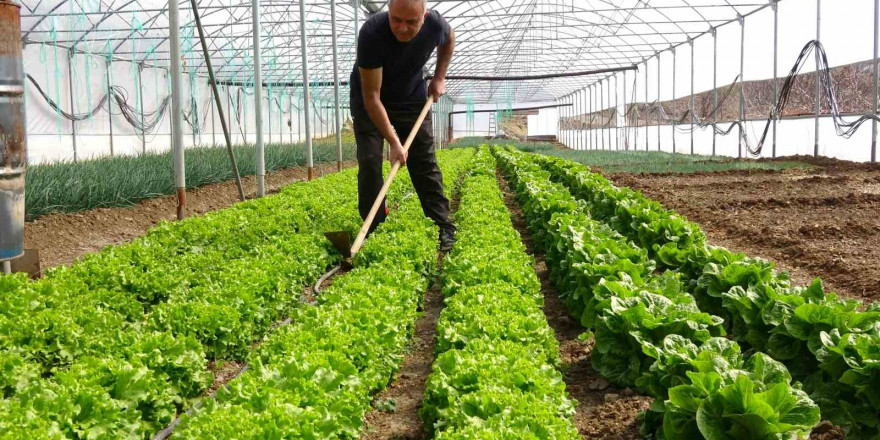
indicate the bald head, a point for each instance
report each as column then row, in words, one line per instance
column 422, row 3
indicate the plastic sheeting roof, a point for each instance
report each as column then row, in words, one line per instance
column 494, row 37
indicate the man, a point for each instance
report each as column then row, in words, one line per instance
column 388, row 92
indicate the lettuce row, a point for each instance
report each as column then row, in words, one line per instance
column 117, row 344
column 495, row 374
column 314, row 378
column 824, row 340
column 649, row 332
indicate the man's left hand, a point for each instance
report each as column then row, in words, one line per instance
column 437, row 88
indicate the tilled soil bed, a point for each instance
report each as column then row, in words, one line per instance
column 62, row 238
column 819, row 222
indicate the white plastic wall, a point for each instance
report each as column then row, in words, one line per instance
column 50, row 137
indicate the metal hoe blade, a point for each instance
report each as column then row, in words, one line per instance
column 341, row 240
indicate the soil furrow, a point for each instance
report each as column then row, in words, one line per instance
column 603, row 411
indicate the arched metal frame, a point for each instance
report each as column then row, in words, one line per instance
column 494, row 37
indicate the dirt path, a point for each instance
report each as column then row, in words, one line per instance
column 407, row 389
column 603, row 411
column 395, row 413
column 820, row 222
column 62, row 238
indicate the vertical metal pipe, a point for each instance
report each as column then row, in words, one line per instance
column 213, row 127
column 601, row 113
column 673, row 98
column 176, row 108
column 229, row 111
column 72, row 105
column 590, row 121
column 625, row 112
column 874, row 85
column 714, row 88
column 775, row 68
column 659, row 113
column 290, row 115
column 616, row 115
column 305, row 80
column 816, row 93
column 110, row 104
column 635, row 110
column 269, row 110
column 742, row 84
column 258, row 99
column 647, row 107
column 172, row 121
column 693, row 98
column 584, row 119
column 357, row 19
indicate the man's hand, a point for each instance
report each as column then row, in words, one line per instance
column 398, row 153
column 437, row 88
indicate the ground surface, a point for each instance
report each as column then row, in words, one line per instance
column 62, row 238
column 817, row 222
column 603, row 411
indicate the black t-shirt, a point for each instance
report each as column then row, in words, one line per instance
column 403, row 82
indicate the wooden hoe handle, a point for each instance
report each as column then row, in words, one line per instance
column 362, row 235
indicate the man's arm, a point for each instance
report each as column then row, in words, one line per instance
column 371, row 86
column 444, row 56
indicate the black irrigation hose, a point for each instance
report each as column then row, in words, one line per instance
column 168, row 430
column 57, row 108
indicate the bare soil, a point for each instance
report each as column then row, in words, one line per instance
column 407, row 389
column 819, row 222
column 62, row 238
column 603, row 411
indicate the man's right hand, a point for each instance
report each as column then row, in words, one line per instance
column 398, row 153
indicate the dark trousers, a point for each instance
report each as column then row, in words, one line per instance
column 421, row 164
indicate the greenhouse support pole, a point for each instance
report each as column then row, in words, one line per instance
column 596, row 110
column 635, row 110
column 775, row 69
column 876, row 74
column 172, row 121
column 305, row 81
column 258, row 99
column 290, row 115
column 601, row 115
column 591, row 141
column 816, row 106
column 673, row 98
column 212, row 81
column 584, row 120
column 213, row 127
column 659, row 113
column 72, row 107
column 338, row 115
column 616, row 115
column 176, row 108
column 742, row 84
column 110, row 105
column 625, row 122
column 647, row 108
column 693, row 99
column 714, row 88
column 269, row 110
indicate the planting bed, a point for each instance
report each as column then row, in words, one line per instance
column 568, row 308
column 820, row 221
column 63, row 237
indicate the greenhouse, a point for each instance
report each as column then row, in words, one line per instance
column 450, row 219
